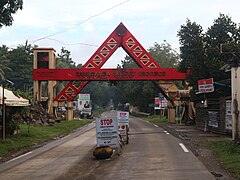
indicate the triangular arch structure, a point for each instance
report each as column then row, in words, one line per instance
column 120, row 37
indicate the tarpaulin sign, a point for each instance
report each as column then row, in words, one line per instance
column 205, row 85
column 107, row 132
column 123, row 124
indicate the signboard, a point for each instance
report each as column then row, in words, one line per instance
column 107, row 132
column 81, row 74
column 228, row 114
column 123, row 117
column 205, row 85
column 157, row 103
column 83, row 99
column 160, row 103
column 213, row 118
column 123, row 124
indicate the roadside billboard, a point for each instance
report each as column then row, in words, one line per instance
column 107, row 132
column 82, row 100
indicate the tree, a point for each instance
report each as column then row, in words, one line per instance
column 7, row 8
column 64, row 60
column 164, row 55
column 21, row 63
column 4, row 61
column 223, row 33
column 192, row 52
column 142, row 93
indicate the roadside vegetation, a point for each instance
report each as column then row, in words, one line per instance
column 228, row 154
column 97, row 112
column 37, row 134
column 156, row 119
column 32, row 135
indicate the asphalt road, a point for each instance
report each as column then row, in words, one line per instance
column 152, row 153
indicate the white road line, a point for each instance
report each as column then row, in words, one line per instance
column 183, row 147
column 166, row 132
column 156, row 125
column 19, row 157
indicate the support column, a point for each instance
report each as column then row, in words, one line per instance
column 172, row 115
column 69, row 113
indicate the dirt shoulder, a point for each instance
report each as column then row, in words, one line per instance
column 194, row 139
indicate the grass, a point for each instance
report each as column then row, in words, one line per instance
column 156, row 119
column 36, row 135
column 39, row 134
column 97, row 112
column 229, row 155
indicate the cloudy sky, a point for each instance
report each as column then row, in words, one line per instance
column 82, row 25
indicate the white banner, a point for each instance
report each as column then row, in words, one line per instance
column 107, row 132
column 123, row 123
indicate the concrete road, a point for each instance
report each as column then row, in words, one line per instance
column 152, row 153
column 51, row 160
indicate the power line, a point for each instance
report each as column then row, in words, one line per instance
column 85, row 20
column 70, row 44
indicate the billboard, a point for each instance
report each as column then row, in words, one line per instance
column 83, row 99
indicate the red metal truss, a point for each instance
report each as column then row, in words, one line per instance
column 120, row 37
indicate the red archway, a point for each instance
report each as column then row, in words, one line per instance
column 148, row 69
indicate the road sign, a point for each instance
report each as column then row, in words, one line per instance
column 205, row 85
column 123, row 124
column 107, row 132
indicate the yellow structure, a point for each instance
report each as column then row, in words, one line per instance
column 171, row 90
column 44, row 91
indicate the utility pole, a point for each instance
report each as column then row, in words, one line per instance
column 3, row 116
column 235, row 77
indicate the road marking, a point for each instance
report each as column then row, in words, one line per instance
column 156, row 125
column 166, row 132
column 19, row 157
column 183, row 147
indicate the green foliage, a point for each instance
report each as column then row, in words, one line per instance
column 98, row 111
column 21, row 64
column 223, row 31
column 201, row 52
column 156, row 119
column 142, row 93
column 164, row 55
column 7, row 8
column 4, row 62
column 37, row 134
column 101, row 93
column 229, row 154
column 192, row 51
column 64, row 60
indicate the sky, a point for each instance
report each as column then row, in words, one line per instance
column 81, row 26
